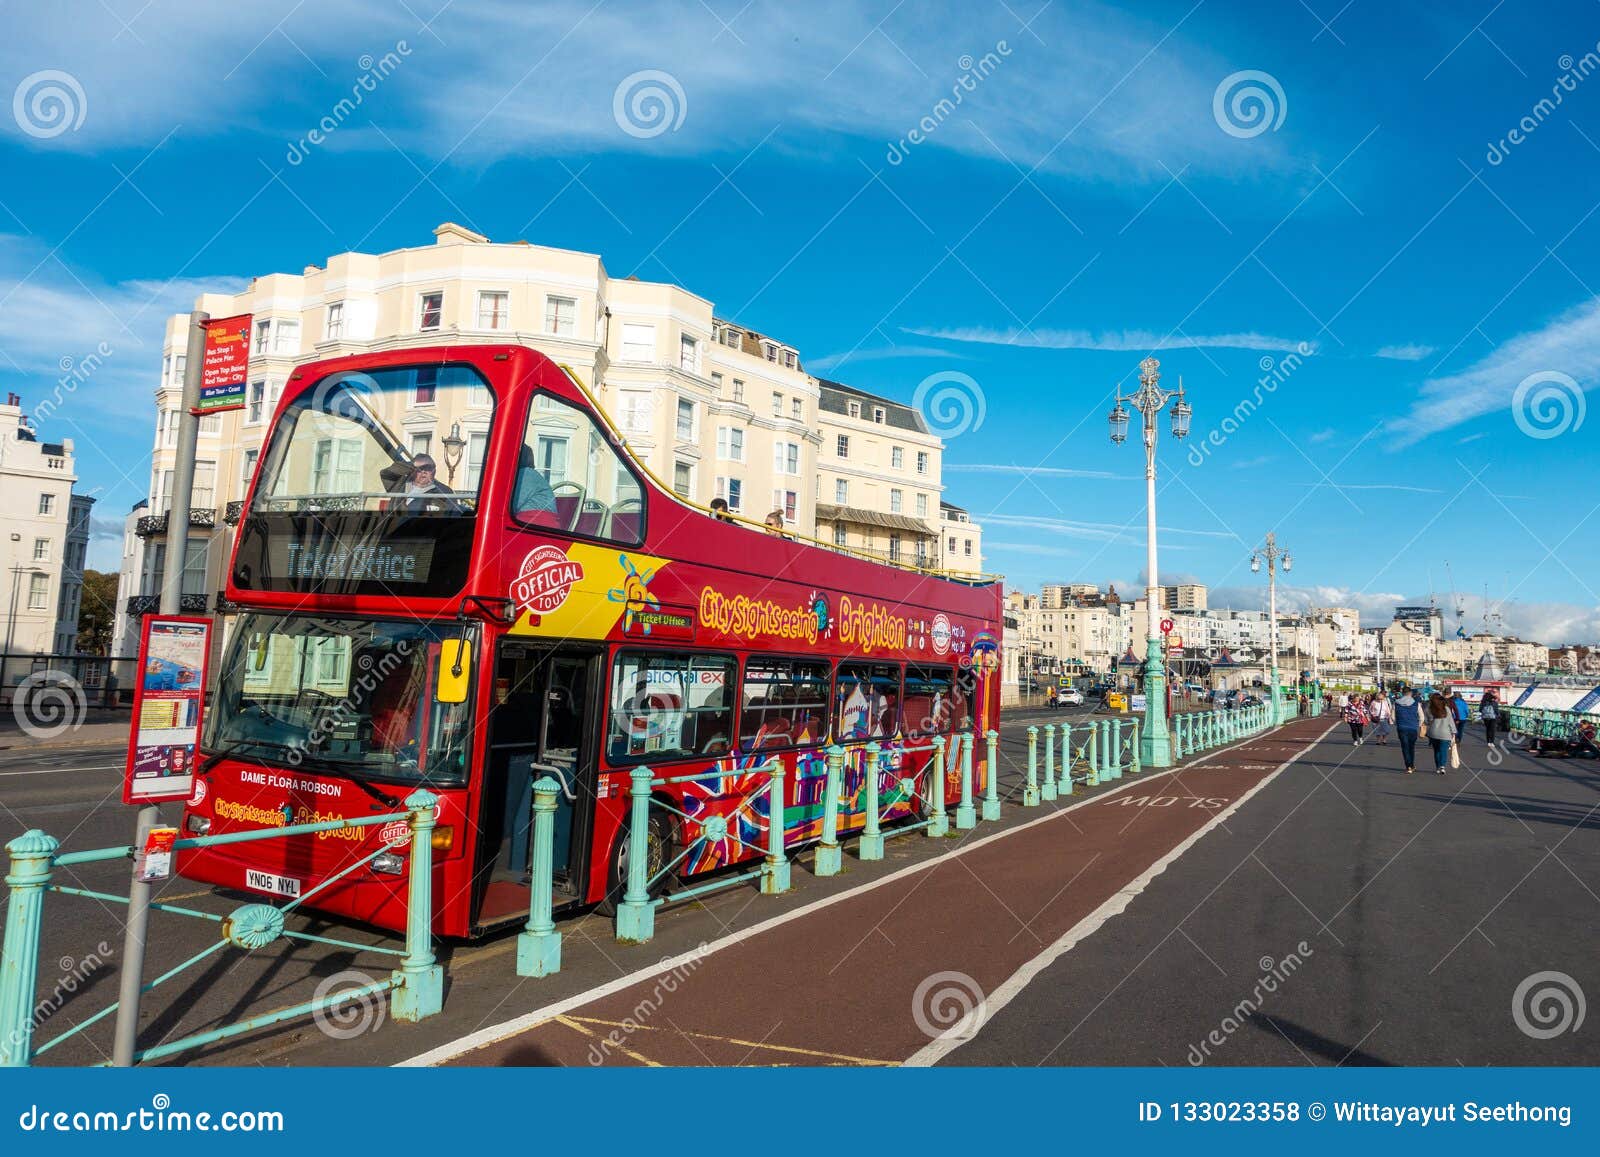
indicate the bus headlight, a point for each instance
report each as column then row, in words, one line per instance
column 389, row 864
column 199, row 825
column 444, row 839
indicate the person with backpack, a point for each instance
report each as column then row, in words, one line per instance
column 1355, row 714
column 1489, row 712
column 1442, row 726
column 1408, row 722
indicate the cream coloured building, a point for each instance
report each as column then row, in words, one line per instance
column 712, row 408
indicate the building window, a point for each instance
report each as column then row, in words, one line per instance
column 210, row 425
column 716, row 383
column 797, row 409
column 430, row 311
column 922, row 461
column 41, row 550
column 427, row 387
column 840, row 534
column 560, row 316
column 841, row 491
column 256, row 403
column 966, row 547
column 790, row 361
column 730, row 443
column 786, row 457
column 730, row 338
column 738, row 391
column 685, row 429
column 787, row 501
column 335, row 324
column 878, row 414
column 683, row 479
column 635, row 412
column 286, row 338
column 47, row 504
column 247, row 469
column 263, row 335
column 952, row 544
column 731, row 490
column 896, row 501
column 897, row 457
column 477, row 446
column 38, row 591
column 638, row 342
column 421, row 444
column 853, row 409
column 842, row 447
column 770, row 351
column 688, row 354
column 894, row 548
column 494, row 309
column 922, row 506
column 777, row 405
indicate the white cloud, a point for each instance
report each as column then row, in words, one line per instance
column 1570, row 345
column 830, row 362
column 1405, row 353
column 1030, row 471
column 1122, row 341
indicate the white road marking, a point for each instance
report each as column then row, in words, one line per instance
column 934, row 1051
column 498, row 1032
column 64, row 770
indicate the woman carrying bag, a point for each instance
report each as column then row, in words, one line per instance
column 1442, row 732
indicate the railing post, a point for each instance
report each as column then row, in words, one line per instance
column 991, row 781
column 1133, row 749
column 636, row 915
column 539, row 946
column 419, row 981
column 966, row 814
column 1091, row 754
column 775, row 879
column 938, row 821
column 32, row 857
column 1116, row 748
column 830, row 859
column 1107, row 756
column 870, row 846
column 1065, row 786
column 1030, row 793
column 1048, row 791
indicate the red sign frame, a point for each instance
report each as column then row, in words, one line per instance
column 153, row 751
column 225, row 365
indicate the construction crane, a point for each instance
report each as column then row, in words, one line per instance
column 1460, row 604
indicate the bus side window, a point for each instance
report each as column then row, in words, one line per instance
column 570, row 478
column 866, row 701
column 785, row 703
column 930, row 703
column 670, row 704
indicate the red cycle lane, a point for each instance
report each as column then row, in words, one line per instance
column 875, row 975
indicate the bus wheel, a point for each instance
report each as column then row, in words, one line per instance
column 661, row 839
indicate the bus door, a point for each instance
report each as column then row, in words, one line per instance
column 542, row 723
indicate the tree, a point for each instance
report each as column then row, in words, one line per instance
column 97, row 613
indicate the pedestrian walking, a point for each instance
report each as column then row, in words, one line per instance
column 1050, row 697
column 1462, row 711
column 1355, row 714
column 1441, row 732
column 1489, row 712
column 1408, row 723
column 1382, row 712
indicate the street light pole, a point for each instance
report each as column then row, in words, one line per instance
column 1271, row 553
column 1150, row 399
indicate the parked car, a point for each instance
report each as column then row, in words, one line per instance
column 1069, row 696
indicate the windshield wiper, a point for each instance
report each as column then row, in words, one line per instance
column 231, row 749
column 346, row 769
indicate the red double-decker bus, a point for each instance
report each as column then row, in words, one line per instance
column 544, row 608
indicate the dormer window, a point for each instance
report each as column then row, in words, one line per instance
column 770, row 350
column 853, row 409
column 878, row 414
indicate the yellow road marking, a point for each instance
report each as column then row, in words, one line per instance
column 572, row 1023
column 748, row 1044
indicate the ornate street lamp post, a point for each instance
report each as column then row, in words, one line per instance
column 1272, row 554
column 1150, row 399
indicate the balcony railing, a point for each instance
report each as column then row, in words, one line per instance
column 150, row 604
column 232, row 513
column 153, row 524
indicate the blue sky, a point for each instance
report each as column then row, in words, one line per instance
column 1422, row 281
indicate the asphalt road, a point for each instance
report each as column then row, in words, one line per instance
column 1348, row 914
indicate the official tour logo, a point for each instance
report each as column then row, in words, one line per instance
column 546, row 578
column 941, row 634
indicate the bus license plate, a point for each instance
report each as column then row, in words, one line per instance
column 267, row 882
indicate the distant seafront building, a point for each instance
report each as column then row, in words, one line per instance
column 44, row 539
column 712, row 407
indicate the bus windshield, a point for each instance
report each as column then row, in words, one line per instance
column 342, row 696
column 409, row 441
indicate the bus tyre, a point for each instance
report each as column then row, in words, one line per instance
column 661, row 840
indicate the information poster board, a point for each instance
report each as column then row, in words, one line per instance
column 225, row 368
column 168, row 700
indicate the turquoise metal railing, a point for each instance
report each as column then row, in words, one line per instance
column 1543, row 723
column 416, row 988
